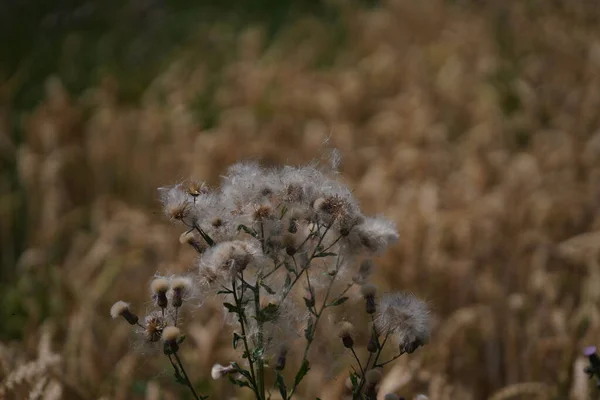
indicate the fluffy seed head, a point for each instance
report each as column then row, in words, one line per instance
column 218, row 371
column 406, row 317
column 345, row 330
column 171, row 334
column 180, row 288
column 263, row 211
column 154, row 325
column 183, row 283
column 118, row 309
column 368, row 290
column 159, row 285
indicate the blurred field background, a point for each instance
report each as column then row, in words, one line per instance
column 474, row 125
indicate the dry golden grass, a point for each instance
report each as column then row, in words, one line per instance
column 475, row 127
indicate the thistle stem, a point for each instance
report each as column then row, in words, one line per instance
column 185, row 375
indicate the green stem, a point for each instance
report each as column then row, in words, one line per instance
column 314, row 328
column 241, row 316
column 185, row 375
column 260, row 361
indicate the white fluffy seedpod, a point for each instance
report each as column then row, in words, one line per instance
column 159, row 288
column 118, row 308
column 345, row 330
column 406, row 317
column 181, row 287
column 218, row 371
column 171, row 334
column 368, row 291
column 121, row 309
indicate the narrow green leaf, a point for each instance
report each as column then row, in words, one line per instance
column 354, row 380
column 238, row 382
column 249, row 231
column 281, row 385
column 339, row 301
column 304, row 368
column 267, row 288
column 181, row 339
column 324, row 254
column 236, row 338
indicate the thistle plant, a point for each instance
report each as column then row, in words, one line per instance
column 283, row 249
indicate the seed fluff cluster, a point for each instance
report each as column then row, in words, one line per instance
column 280, row 247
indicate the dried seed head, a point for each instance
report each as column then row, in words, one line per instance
column 406, row 317
column 178, row 211
column 155, row 323
column 171, row 334
column 159, row 285
column 281, row 358
column 118, row 308
column 293, row 225
column 289, row 242
column 373, row 345
column 373, row 376
column 170, row 337
column 345, row 330
column 180, row 287
column 190, row 237
column 369, row 291
column 195, row 188
column 121, row 309
column 218, row 371
column 159, row 288
column 264, row 211
column 331, row 205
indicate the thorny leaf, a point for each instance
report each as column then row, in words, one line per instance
column 304, row 368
